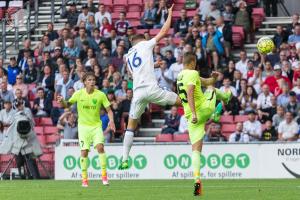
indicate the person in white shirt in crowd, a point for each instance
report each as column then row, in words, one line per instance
column 239, row 135
column 176, row 68
column 79, row 84
column 227, row 86
column 6, row 116
column 296, row 87
column 264, row 101
column 241, row 65
column 101, row 14
column 162, row 76
column 256, row 80
column 183, row 126
column 64, row 84
column 278, row 117
column 84, row 16
column 252, row 126
column 283, row 98
column 288, row 129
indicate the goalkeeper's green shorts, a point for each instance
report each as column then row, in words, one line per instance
column 89, row 135
column 197, row 131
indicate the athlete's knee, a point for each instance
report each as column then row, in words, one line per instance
column 132, row 124
column 178, row 102
column 100, row 148
column 84, row 153
column 197, row 146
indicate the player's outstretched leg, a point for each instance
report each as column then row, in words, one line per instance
column 223, row 96
column 83, row 165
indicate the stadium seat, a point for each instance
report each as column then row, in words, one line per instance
column 226, row 119
column 154, row 32
column 42, row 139
column 39, row 130
column 153, row 108
column 164, row 138
column 31, row 86
column 175, row 15
column 251, row 2
column 141, row 31
column 191, row 13
column 47, row 157
column 133, row 16
column 46, row 121
column 48, row 130
column 108, row 4
column 135, row 5
column 178, row 6
column 115, row 16
column 51, row 139
column 37, row 121
column 31, row 95
column 240, row 118
column 238, row 36
column 5, row 157
column 135, row 23
column 228, row 128
column 181, row 138
column 258, row 16
column 119, row 5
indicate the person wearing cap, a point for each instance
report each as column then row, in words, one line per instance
column 252, row 126
column 272, row 81
column 288, row 129
column 12, row 71
column 71, row 15
column 84, row 15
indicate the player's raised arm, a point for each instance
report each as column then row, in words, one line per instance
column 164, row 30
column 62, row 102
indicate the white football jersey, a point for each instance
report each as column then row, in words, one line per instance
column 141, row 64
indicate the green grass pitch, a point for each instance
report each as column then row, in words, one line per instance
column 152, row 190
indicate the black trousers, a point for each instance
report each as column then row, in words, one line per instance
column 30, row 166
column 268, row 4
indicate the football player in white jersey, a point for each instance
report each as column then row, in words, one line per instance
column 140, row 63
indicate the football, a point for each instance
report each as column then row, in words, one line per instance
column 265, row 45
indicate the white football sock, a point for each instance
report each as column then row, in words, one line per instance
column 127, row 143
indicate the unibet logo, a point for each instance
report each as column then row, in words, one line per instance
column 213, row 161
column 112, row 162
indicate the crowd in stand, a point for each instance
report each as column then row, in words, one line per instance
column 265, row 87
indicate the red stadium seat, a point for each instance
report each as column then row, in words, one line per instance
column 135, row 5
column 5, row 157
column 135, row 23
column 42, row 139
column 47, row 157
column 181, row 138
column 240, row 118
column 39, row 130
column 50, row 130
column 115, row 16
column 51, row 139
column 191, row 13
column 2, row 13
column 226, row 119
column 164, row 138
column 37, row 121
column 31, row 95
column 176, row 15
column 228, row 128
column 258, row 16
column 238, row 36
column 107, row 4
column 141, row 31
column 154, row 32
column 178, row 6
column 133, row 16
column 46, row 121
column 251, row 2
column 120, row 5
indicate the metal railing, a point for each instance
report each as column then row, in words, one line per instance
column 284, row 9
column 18, row 37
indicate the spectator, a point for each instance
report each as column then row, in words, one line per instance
column 101, row 14
column 274, row 57
column 91, row 6
column 52, row 34
column 47, row 79
column 117, row 59
column 269, row 133
column 162, row 76
column 117, row 81
column 19, row 97
column 125, row 104
column 226, row 86
column 20, row 107
column 104, row 59
column 96, row 36
column 168, row 46
column 239, row 135
column 83, row 37
column 268, row 70
column 71, row 15
column 161, row 14
column 68, row 124
column 171, row 124
column 287, row 70
column 23, row 65
column 295, row 21
column 252, row 126
column 149, row 17
column 256, row 80
column 227, row 14
column 105, row 128
column 20, row 85
column 26, row 46
column 280, row 36
column 12, row 71
column 176, row 68
column 182, row 24
column 47, row 60
column 5, row 94
column 64, row 84
column 214, row 13
column 122, row 25
column 45, row 45
column 278, row 117
column 122, row 93
column 169, row 58
column 293, row 105
column 79, row 84
column 105, row 28
column 213, row 134
column 237, row 80
column 241, row 65
column 288, row 129
column 71, row 52
column 283, row 98
column 248, row 101
column 272, row 81
column 90, row 25
column 294, row 38
column 83, row 17
column 243, row 18
column 6, row 115
column 264, row 102
column 296, row 88
column 204, row 9
column 183, row 126
column 42, row 105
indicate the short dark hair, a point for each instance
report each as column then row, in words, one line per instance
column 123, row 13
column 40, row 88
column 137, row 37
column 87, row 74
column 188, row 57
